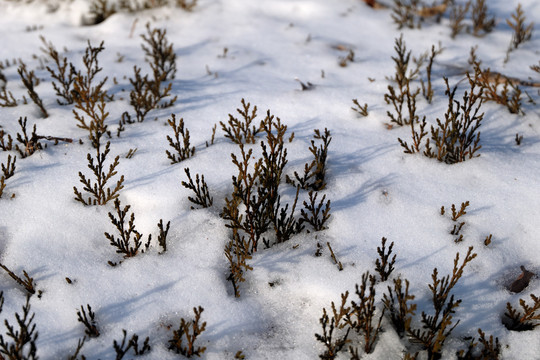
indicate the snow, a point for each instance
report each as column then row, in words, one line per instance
column 375, row 189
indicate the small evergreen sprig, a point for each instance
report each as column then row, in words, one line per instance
column 163, row 232
column 397, row 304
column 314, row 177
column 237, row 252
column 159, row 53
column 437, row 327
column 334, row 343
column 23, row 340
column 522, row 321
column 89, row 321
column 483, row 22
column 130, row 241
column 89, row 97
column 30, row 81
column 362, row 110
column 8, row 170
column 242, row 131
column 200, row 188
column 491, row 349
column 28, row 283
column 122, row 348
column 65, row 73
column 458, row 225
column 100, row 193
column 29, row 144
column 362, row 317
column 521, row 33
column 315, row 214
column 383, row 266
column 189, row 331
column 183, row 149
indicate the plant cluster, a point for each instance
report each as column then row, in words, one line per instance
column 522, row 321
column 457, row 138
column 315, row 171
column 242, row 131
column 254, row 212
column 20, row 340
column 184, row 339
column 147, row 93
column 101, row 10
column 359, row 318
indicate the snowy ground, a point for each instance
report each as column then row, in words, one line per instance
column 375, row 189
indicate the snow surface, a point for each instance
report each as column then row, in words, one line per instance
column 375, row 189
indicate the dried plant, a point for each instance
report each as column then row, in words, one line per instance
column 190, row 331
column 483, row 22
column 458, row 138
column 458, row 225
column 89, row 96
column 100, row 193
column 362, row 110
column 130, row 242
column 64, row 73
column 27, row 283
column 183, row 149
column 437, row 327
column 147, row 95
column 457, row 15
column 29, row 144
column 30, row 81
column 285, row 225
column 334, row 258
column 23, row 338
column 402, row 77
column 491, row 349
column 490, row 83
column 186, row 4
column 361, row 317
column 122, row 348
column 6, row 98
column 200, row 188
column 101, row 10
column 8, row 171
column 237, row 252
column 518, row 139
column 249, row 192
column 522, row 321
column 522, row 32
column 383, row 266
column 75, row 355
column 163, row 232
column 315, row 214
column 89, row 321
column 242, row 131
column 7, row 143
column 427, row 90
column 337, row 323
column 404, row 13
column 159, row 53
column 397, row 304
column 314, row 172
